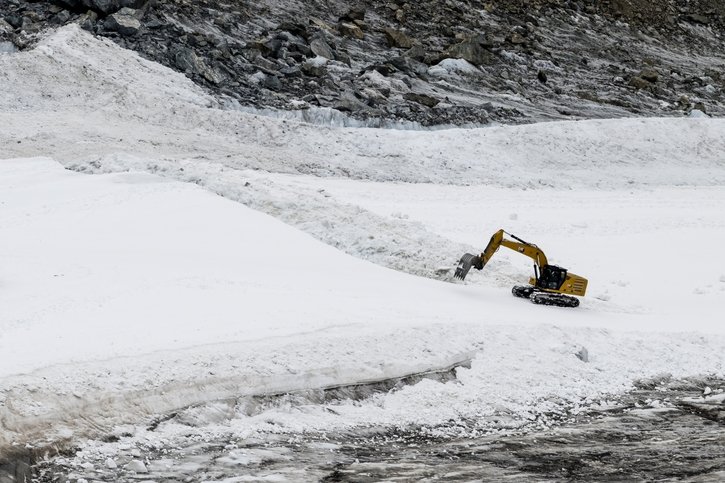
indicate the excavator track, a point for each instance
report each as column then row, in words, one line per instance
column 544, row 298
column 522, row 291
column 559, row 300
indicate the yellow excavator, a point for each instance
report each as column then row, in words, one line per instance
column 550, row 285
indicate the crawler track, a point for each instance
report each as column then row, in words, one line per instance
column 544, row 298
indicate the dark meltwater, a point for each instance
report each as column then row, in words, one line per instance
column 664, row 430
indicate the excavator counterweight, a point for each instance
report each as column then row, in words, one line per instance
column 550, row 285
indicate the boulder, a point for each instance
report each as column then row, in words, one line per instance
column 639, row 83
column 470, row 50
column 88, row 20
column 137, row 466
column 270, row 47
column 124, row 22
column 698, row 18
column 291, row 71
column 187, row 61
column 314, row 68
column 351, row 30
column 398, row 39
column 374, row 97
column 257, row 78
column 416, row 52
column 15, row 21
column 517, row 39
column 322, row 49
column 348, row 103
column 62, row 17
column 423, row 99
column 30, row 27
column 408, row 65
column 650, row 75
column 303, row 49
column 272, row 83
column 386, row 69
column 265, row 64
column 321, row 24
column 296, row 28
column 212, row 76
column 5, row 28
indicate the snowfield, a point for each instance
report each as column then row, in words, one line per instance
column 193, row 254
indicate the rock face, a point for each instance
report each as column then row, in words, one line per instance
column 431, row 62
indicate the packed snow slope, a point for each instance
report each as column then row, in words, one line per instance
column 127, row 294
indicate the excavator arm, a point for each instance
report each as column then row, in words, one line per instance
column 498, row 239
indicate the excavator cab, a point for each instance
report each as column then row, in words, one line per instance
column 551, row 277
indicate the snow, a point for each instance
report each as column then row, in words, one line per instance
column 452, row 66
column 216, row 254
column 7, row 48
column 147, row 264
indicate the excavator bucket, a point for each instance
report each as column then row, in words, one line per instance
column 465, row 263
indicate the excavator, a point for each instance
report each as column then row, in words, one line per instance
column 550, row 285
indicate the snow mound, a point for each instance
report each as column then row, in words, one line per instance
column 90, row 73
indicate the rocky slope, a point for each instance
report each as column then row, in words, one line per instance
column 430, row 62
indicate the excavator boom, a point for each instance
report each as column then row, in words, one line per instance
column 469, row 261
